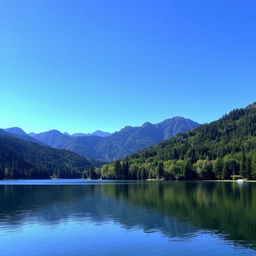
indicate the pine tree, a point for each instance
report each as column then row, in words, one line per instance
column 248, row 167
column 243, row 166
column 160, row 170
column 188, row 171
column 209, row 175
column 218, row 168
column 125, row 168
column 84, row 175
column 92, row 174
column 226, row 172
column 253, row 166
column 118, row 170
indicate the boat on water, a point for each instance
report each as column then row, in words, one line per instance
column 240, row 180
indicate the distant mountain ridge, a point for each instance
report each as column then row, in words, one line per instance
column 15, row 130
column 107, row 147
column 96, row 133
column 18, row 133
column 133, row 139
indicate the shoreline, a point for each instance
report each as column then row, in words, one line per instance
column 110, row 180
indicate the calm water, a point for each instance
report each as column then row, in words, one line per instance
column 127, row 218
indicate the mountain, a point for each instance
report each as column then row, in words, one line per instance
column 18, row 133
column 83, row 145
column 15, row 130
column 76, row 134
column 100, row 133
column 119, row 144
column 223, row 149
column 133, row 139
column 52, row 138
column 97, row 133
column 24, row 159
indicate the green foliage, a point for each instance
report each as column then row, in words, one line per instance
column 21, row 159
column 160, row 170
column 84, row 175
column 118, row 170
column 223, row 149
column 218, row 167
column 253, row 165
column 243, row 166
column 92, row 174
column 189, row 173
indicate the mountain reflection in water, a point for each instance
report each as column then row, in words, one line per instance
column 179, row 210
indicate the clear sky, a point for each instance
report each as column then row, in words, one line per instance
column 80, row 65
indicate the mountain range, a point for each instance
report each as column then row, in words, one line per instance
column 96, row 133
column 18, row 133
column 108, row 147
column 49, row 154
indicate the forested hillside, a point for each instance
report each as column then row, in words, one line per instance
column 223, row 149
column 21, row 159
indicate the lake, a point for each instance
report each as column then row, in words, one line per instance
column 76, row 217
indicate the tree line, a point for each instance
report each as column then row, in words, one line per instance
column 219, row 169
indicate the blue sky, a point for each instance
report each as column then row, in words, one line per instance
column 79, row 66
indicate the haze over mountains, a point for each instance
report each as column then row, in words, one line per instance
column 96, row 133
column 107, row 147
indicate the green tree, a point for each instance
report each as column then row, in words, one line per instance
column 218, row 168
column 84, row 175
column 208, row 171
column 188, row 172
column 125, row 170
column 160, row 170
column 233, row 166
column 142, row 173
column 226, row 173
column 253, row 166
column 118, row 170
column 243, row 166
column 133, row 172
column 92, row 174
column 248, row 167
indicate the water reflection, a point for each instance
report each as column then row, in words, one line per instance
column 176, row 209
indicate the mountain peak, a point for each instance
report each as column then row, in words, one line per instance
column 176, row 118
column 126, row 129
column 147, row 124
column 54, row 132
column 15, row 130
